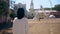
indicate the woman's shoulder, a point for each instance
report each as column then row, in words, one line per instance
column 24, row 18
column 15, row 19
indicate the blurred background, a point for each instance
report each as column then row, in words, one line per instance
column 35, row 10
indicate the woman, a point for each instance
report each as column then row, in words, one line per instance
column 20, row 23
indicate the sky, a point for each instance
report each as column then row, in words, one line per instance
column 38, row 3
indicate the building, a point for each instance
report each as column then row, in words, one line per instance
column 56, row 14
column 32, row 12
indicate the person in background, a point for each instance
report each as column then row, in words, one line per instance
column 20, row 23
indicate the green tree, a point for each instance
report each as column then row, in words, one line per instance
column 57, row 7
column 12, row 15
column 3, row 8
column 47, row 8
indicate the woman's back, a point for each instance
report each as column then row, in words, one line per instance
column 20, row 26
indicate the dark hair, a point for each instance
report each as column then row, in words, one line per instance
column 20, row 13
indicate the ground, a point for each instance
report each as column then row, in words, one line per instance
column 44, row 26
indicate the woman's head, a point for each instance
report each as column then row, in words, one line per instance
column 20, row 13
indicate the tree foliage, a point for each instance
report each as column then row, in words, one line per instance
column 12, row 15
column 57, row 7
column 47, row 8
column 3, row 8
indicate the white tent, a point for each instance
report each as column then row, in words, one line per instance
column 51, row 16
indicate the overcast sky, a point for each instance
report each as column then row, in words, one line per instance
column 37, row 3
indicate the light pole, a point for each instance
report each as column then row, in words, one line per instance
column 50, row 4
column 50, row 29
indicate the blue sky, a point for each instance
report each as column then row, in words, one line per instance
column 37, row 3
